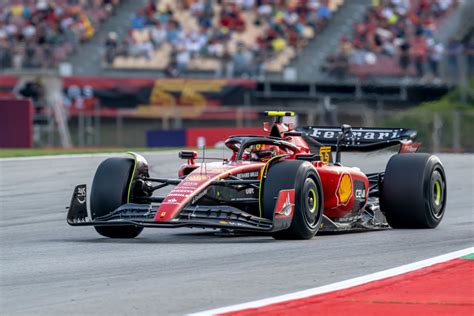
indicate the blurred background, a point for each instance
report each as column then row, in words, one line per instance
column 176, row 73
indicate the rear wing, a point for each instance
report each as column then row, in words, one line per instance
column 364, row 139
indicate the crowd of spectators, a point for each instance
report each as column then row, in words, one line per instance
column 41, row 33
column 214, row 28
column 402, row 30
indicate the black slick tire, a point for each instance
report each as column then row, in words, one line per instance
column 414, row 191
column 109, row 191
column 301, row 176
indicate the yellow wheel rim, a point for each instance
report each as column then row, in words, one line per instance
column 437, row 193
column 313, row 196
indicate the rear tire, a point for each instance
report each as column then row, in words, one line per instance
column 302, row 177
column 109, row 191
column 414, row 191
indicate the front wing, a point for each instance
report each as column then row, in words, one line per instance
column 202, row 216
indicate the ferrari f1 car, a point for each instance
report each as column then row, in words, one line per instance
column 289, row 184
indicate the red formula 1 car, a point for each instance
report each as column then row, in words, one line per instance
column 287, row 184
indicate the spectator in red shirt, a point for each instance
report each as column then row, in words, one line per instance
column 419, row 54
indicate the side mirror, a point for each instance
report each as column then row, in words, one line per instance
column 189, row 155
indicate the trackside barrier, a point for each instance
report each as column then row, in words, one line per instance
column 166, row 138
column 197, row 137
column 16, row 123
column 212, row 137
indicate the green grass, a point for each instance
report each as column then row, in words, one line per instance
column 469, row 256
column 451, row 101
column 453, row 114
column 21, row 152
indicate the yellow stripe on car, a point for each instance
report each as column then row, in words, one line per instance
column 262, row 174
column 133, row 175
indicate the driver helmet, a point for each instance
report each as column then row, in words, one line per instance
column 263, row 152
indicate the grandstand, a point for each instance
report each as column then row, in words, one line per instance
column 41, row 34
column 395, row 38
column 310, row 40
column 206, row 35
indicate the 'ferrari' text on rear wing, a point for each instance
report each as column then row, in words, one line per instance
column 360, row 139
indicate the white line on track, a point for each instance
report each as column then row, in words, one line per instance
column 340, row 285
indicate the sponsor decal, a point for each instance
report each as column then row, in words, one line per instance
column 250, row 191
column 324, row 153
column 344, row 190
column 247, row 175
column 347, row 219
column 285, row 203
column 287, row 207
column 189, row 184
column 235, row 223
column 163, row 214
column 171, row 201
column 331, row 134
column 230, row 223
column 360, row 194
column 242, row 199
column 182, row 191
column 198, row 196
column 213, row 169
column 374, row 135
column 81, row 195
column 178, row 194
column 197, row 177
column 409, row 148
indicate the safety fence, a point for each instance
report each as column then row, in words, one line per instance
column 449, row 130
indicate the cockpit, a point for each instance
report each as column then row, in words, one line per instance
column 258, row 148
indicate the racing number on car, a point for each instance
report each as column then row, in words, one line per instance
column 324, row 152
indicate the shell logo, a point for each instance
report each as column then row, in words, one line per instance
column 197, row 178
column 344, row 191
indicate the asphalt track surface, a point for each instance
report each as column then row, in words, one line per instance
column 50, row 268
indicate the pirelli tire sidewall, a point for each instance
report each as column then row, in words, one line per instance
column 303, row 177
column 414, row 191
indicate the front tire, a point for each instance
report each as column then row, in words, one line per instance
column 110, row 189
column 414, row 191
column 308, row 208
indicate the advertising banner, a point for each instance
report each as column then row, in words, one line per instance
column 116, row 92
